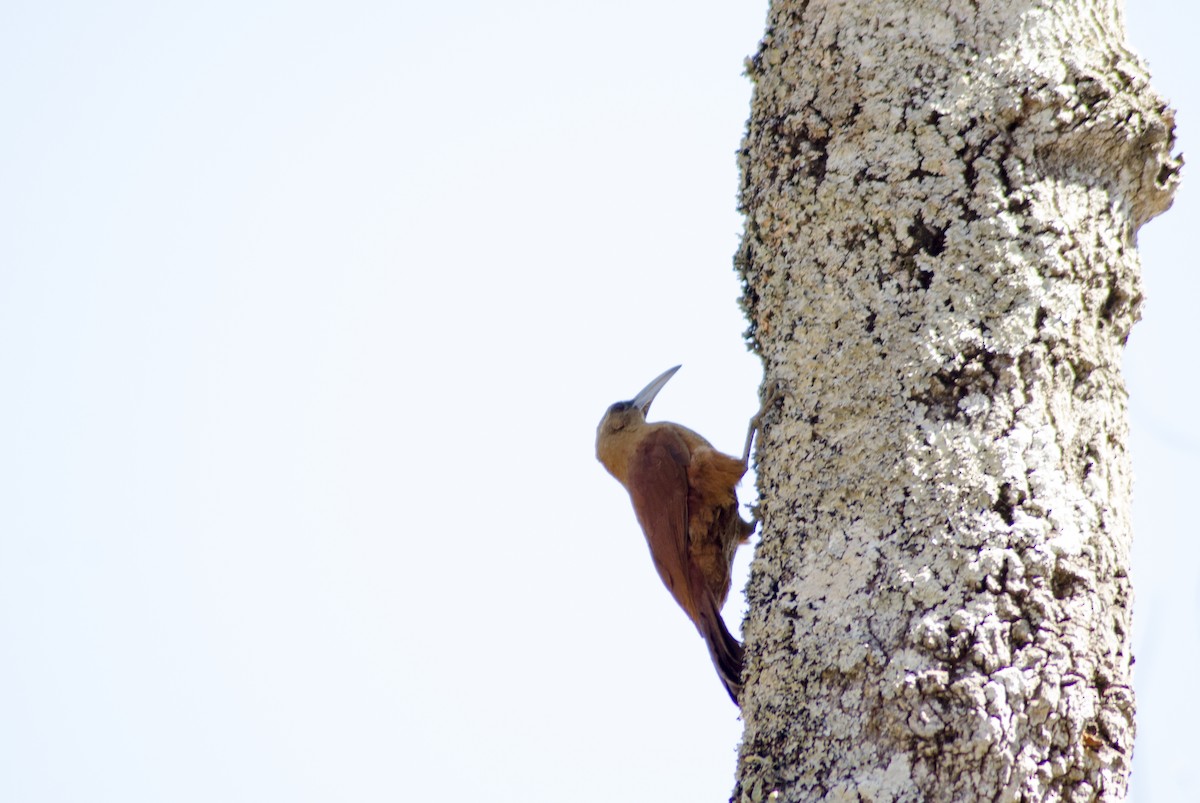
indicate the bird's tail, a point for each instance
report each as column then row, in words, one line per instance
column 726, row 651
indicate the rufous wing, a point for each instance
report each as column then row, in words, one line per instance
column 658, row 487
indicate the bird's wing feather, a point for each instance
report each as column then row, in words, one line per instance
column 658, row 487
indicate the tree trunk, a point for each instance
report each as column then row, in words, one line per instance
column 941, row 205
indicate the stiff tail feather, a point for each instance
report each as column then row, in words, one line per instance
column 726, row 651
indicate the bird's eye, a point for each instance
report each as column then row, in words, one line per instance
column 619, row 407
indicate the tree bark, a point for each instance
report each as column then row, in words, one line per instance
column 939, row 264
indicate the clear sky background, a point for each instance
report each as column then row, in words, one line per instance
column 308, row 312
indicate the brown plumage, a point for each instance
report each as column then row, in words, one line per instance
column 683, row 492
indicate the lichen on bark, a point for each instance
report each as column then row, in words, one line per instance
column 939, row 262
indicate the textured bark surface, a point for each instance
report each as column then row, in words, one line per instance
column 941, row 204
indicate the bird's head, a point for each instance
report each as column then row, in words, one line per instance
column 623, row 415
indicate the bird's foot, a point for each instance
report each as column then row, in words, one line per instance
column 777, row 392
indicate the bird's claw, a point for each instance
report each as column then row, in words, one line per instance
column 777, row 392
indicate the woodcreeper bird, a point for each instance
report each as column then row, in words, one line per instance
column 684, row 494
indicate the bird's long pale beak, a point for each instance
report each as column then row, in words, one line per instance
column 647, row 394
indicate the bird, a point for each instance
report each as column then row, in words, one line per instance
column 684, row 496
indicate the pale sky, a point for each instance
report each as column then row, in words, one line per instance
column 308, row 312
